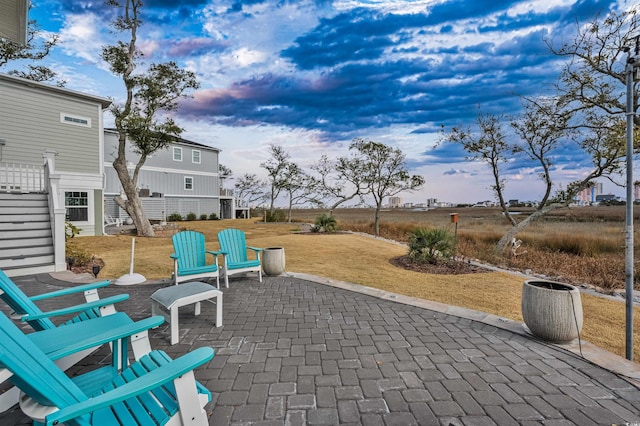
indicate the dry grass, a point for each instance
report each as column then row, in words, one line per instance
column 583, row 245
column 363, row 260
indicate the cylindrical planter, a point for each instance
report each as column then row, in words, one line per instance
column 273, row 261
column 551, row 310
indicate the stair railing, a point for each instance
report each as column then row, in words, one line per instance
column 57, row 211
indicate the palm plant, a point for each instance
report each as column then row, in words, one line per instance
column 326, row 223
column 429, row 245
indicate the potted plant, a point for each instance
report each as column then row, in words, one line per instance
column 552, row 310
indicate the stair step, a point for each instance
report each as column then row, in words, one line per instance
column 24, row 226
column 25, row 252
column 38, row 268
column 26, row 242
column 22, row 209
column 25, row 233
column 16, row 243
column 25, row 217
column 26, row 261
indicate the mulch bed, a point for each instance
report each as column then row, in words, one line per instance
column 452, row 267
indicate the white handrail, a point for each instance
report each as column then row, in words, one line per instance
column 15, row 177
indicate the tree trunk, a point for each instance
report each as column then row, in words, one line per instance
column 376, row 223
column 132, row 204
column 510, row 235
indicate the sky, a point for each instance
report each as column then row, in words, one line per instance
column 312, row 75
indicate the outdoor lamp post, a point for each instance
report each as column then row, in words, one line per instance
column 633, row 74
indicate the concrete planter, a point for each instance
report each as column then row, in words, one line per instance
column 551, row 310
column 273, row 262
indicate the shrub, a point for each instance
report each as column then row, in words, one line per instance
column 428, row 245
column 80, row 255
column 326, row 223
column 203, row 216
column 213, row 216
column 70, row 230
column 277, row 216
column 174, row 217
column 191, row 216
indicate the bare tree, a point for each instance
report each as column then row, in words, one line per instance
column 300, row 188
column 594, row 77
column 276, row 166
column 489, row 145
column 541, row 129
column 250, row 189
column 606, row 146
column 385, row 172
column 140, row 119
column 340, row 180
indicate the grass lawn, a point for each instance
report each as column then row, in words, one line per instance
column 362, row 260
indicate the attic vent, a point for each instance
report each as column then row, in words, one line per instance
column 75, row 120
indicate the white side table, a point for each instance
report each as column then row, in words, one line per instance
column 172, row 298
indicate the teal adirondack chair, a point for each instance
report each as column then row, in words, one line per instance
column 24, row 308
column 233, row 247
column 153, row 391
column 189, row 258
column 64, row 344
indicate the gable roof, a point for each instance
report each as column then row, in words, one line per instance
column 179, row 141
column 105, row 102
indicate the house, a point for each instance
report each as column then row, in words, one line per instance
column 183, row 179
column 51, row 170
column 56, row 167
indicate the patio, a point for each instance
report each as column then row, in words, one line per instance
column 294, row 351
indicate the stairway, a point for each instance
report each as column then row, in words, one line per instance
column 26, row 240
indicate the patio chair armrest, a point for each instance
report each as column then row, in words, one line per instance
column 140, row 385
column 71, row 290
column 215, row 253
column 256, row 249
column 174, row 256
column 77, row 308
column 108, row 336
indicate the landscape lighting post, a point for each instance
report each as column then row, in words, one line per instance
column 633, row 64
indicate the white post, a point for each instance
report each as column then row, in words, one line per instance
column 633, row 62
column 133, row 245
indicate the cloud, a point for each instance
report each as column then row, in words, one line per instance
column 76, row 30
column 194, row 46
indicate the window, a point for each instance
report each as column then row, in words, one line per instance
column 188, row 183
column 177, row 153
column 77, row 206
column 75, row 120
column 195, row 156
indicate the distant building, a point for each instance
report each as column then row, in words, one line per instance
column 395, row 202
column 589, row 195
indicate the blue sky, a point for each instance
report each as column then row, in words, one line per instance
column 311, row 75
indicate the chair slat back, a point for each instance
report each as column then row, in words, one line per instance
column 189, row 245
column 233, row 242
column 33, row 372
column 21, row 304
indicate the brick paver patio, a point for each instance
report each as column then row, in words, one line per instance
column 295, row 352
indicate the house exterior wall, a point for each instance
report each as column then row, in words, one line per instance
column 36, row 118
column 162, row 174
